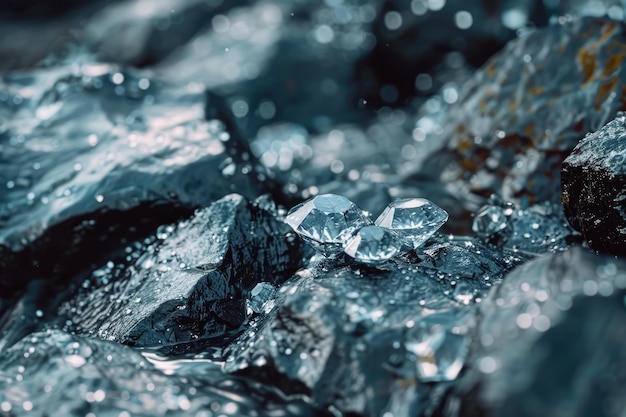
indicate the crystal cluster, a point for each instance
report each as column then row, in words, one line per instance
column 332, row 223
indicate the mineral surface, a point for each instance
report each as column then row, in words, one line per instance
column 346, row 208
column 521, row 114
column 594, row 188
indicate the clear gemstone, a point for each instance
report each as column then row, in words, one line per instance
column 413, row 219
column 489, row 220
column 327, row 221
column 440, row 344
column 373, row 244
column 261, row 298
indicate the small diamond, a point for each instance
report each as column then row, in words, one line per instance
column 373, row 244
column 326, row 221
column 489, row 220
column 415, row 220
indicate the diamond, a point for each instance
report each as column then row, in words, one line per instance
column 415, row 220
column 327, row 221
column 373, row 244
column 489, row 220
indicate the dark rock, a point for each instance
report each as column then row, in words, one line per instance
column 84, row 376
column 593, row 181
column 517, row 119
column 142, row 146
column 190, row 284
column 551, row 341
column 366, row 340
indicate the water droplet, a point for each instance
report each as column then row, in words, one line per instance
column 75, row 360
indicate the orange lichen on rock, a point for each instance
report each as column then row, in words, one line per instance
column 575, row 79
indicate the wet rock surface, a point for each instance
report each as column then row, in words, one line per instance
column 95, row 377
column 371, row 340
column 347, row 208
column 191, row 282
column 563, row 313
column 519, row 116
column 141, row 143
column 593, row 187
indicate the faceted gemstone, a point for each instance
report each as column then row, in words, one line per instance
column 413, row 219
column 373, row 244
column 261, row 299
column 440, row 344
column 489, row 220
column 327, row 221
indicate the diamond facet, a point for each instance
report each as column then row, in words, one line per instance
column 373, row 244
column 415, row 220
column 489, row 220
column 327, row 221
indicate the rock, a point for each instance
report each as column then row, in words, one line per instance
column 57, row 374
column 517, row 119
column 141, row 145
column 551, row 341
column 191, row 283
column 279, row 61
column 139, row 33
column 593, row 181
column 535, row 230
column 370, row 340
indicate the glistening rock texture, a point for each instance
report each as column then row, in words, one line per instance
column 126, row 290
column 192, row 285
column 140, row 143
column 594, row 187
column 520, row 115
column 551, row 341
column 85, row 376
column 367, row 341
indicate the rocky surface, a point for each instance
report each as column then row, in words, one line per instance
column 551, row 341
column 141, row 143
column 519, row 116
column 372, row 340
column 191, row 282
column 155, row 259
column 594, row 186
column 88, row 376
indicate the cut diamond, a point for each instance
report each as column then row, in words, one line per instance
column 415, row 220
column 261, row 298
column 489, row 220
column 327, row 221
column 373, row 244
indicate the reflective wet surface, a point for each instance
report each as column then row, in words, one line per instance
column 327, row 208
